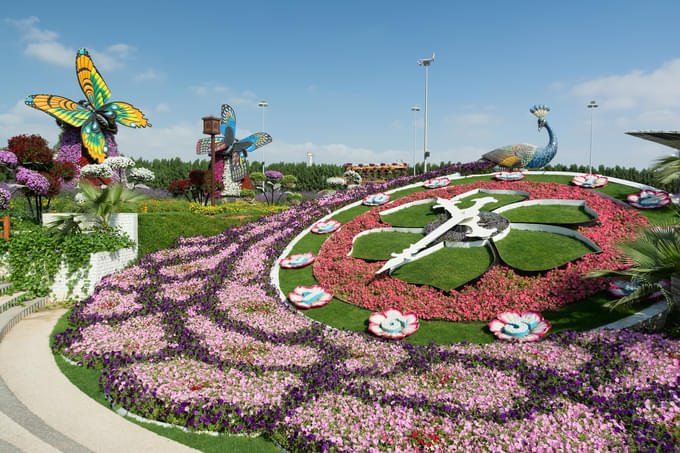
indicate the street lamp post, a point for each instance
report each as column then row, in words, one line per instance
column 591, row 106
column 425, row 62
column 211, row 126
column 263, row 105
column 414, row 109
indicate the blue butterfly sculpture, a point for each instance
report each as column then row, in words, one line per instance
column 236, row 149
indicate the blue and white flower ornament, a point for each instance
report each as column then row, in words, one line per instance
column 513, row 326
column 326, row 226
column 509, row 175
column 436, row 183
column 297, row 260
column 376, row 199
column 309, row 296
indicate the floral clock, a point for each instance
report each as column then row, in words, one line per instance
column 590, row 181
column 326, row 226
column 297, row 260
column 649, row 199
column 436, row 183
column 376, row 199
column 393, row 324
column 513, row 326
column 309, row 296
column 509, row 175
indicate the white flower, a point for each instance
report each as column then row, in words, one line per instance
column 79, row 198
column 141, row 175
column 119, row 162
column 97, row 171
column 336, row 181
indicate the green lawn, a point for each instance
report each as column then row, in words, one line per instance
column 538, row 250
column 413, row 216
column 558, row 214
column 379, row 246
column 447, row 268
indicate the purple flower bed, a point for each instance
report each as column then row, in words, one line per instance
column 204, row 343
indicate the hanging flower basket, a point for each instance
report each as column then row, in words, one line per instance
column 326, row 226
column 649, row 199
column 590, row 181
column 621, row 288
column 436, row 183
column 297, row 260
column 526, row 327
column 509, row 175
column 376, row 199
column 309, row 296
column 392, row 323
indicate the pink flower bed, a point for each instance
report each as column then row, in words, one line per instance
column 106, row 303
column 500, row 289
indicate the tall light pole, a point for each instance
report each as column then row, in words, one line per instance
column 591, row 106
column 425, row 62
column 263, row 105
column 414, row 109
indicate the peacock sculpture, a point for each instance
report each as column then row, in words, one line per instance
column 524, row 155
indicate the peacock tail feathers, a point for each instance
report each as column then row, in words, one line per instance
column 511, row 156
column 539, row 111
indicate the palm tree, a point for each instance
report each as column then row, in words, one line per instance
column 654, row 257
column 104, row 202
column 667, row 170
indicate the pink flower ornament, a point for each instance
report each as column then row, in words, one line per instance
column 309, row 296
column 326, row 226
column 649, row 199
column 392, row 323
column 509, row 175
column 590, row 181
column 436, row 183
column 621, row 288
column 527, row 327
column 297, row 260
column 376, row 199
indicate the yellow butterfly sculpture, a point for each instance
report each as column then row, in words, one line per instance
column 93, row 113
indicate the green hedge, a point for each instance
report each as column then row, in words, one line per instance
column 644, row 176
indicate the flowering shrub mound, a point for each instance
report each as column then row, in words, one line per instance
column 500, row 289
column 216, row 350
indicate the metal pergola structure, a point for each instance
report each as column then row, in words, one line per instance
column 668, row 138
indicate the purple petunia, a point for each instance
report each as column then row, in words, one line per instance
column 34, row 181
column 273, row 174
column 4, row 198
column 8, row 158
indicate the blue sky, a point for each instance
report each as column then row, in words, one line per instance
column 341, row 77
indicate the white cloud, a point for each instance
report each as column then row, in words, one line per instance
column 21, row 119
column 637, row 89
column 162, row 107
column 44, row 45
column 149, row 74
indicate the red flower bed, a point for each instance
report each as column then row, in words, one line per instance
column 500, row 289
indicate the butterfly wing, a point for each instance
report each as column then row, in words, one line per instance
column 255, row 141
column 125, row 114
column 203, row 145
column 228, row 126
column 60, row 107
column 91, row 82
column 238, row 166
column 94, row 140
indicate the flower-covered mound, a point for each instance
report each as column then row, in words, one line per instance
column 498, row 290
column 216, row 350
column 649, row 199
column 590, row 181
column 509, row 175
column 392, row 324
column 526, row 327
column 309, row 296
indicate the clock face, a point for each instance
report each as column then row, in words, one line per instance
column 467, row 252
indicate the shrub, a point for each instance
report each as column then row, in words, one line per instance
column 247, row 193
column 31, row 151
column 352, row 176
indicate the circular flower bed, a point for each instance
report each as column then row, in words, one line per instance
column 326, row 226
column 392, row 324
column 500, row 289
column 376, row 199
column 216, row 350
column 649, row 199
column 590, row 181
column 529, row 326
column 297, row 260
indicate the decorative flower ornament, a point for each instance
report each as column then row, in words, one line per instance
column 649, row 199
column 297, row 260
column 527, row 327
column 309, row 296
column 436, row 183
column 509, row 175
column 590, row 181
column 326, row 226
column 376, row 199
column 392, row 323
column 621, row 288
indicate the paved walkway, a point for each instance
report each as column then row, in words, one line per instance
column 41, row 411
